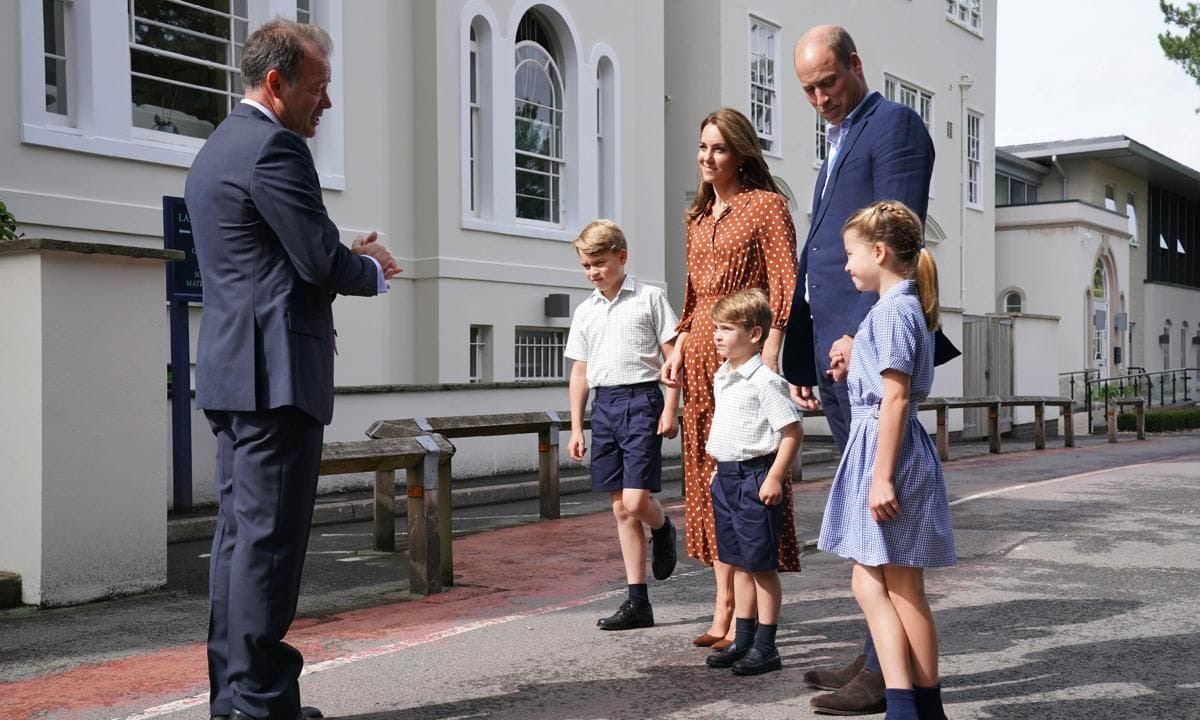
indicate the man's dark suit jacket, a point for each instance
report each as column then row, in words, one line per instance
column 272, row 262
column 887, row 155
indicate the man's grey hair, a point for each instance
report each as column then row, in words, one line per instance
column 280, row 44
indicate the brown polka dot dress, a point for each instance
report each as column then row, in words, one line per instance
column 751, row 245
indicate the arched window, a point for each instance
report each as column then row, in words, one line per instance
column 539, row 123
column 477, row 107
column 1100, row 318
column 787, row 193
column 606, row 137
column 1012, row 302
column 1164, row 344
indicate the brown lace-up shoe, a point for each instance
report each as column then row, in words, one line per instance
column 863, row 695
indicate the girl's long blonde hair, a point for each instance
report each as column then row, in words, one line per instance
column 892, row 223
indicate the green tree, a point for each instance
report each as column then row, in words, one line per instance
column 1184, row 48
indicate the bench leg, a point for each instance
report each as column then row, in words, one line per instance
column 445, row 523
column 1039, row 426
column 424, row 545
column 943, row 434
column 1140, row 410
column 994, row 428
column 1066, row 416
column 385, row 511
column 1110, row 420
column 548, row 473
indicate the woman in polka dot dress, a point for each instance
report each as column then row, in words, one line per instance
column 739, row 235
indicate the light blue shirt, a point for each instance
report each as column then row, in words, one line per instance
column 837, row 134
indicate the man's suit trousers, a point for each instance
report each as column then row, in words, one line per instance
column 266, row 483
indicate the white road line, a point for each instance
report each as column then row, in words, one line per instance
column 368, row 654
column 201, row 699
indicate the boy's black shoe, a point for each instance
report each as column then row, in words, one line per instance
column 664, row 559
column 630, row 615
column 727, row 657
column 755, row 663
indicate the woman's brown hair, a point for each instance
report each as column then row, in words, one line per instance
column 742, row 140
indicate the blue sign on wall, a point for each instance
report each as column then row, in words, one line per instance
column 183, row 277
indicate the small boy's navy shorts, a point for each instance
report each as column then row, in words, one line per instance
column 626, row 446
column 747, row 530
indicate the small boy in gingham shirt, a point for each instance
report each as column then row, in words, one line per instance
column 755, row 434
column 619, row 337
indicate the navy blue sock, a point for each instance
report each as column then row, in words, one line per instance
column 929, row 702
column 901, row 705
column 639, row 594
column 872, row 663
column 764, row 638
column 744, row 632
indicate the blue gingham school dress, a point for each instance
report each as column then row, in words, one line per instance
column 892, row 336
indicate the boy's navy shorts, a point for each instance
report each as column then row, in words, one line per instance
column 747, row 530
column 626, row 446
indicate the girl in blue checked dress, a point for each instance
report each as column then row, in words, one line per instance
column 887, row 509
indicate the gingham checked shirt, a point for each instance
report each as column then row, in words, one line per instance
column 752, row 406
column 621, row 340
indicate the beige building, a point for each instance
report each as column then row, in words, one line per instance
column 1112, row 224
column 478, row 137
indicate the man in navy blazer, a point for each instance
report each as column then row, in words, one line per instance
column 878, row 150
column 272, row 262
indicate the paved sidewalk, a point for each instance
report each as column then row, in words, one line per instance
column 1065, row 605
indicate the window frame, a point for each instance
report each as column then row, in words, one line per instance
column 973, row 12
column 1131, row 216
column 479, row 354
column 556, row 163
column 820, row 139
column 772, row 143
column 557, row 338
column 973, row 148
column 101, row 122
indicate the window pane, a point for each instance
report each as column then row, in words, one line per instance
column 1001, row 190
column 539, row 354
column 55, row 49
column 184, row 60
column 1018, row 192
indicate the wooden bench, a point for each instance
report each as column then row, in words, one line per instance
column 545, row 424
column 1139, row 411
column 942, row 405
column 426, row 460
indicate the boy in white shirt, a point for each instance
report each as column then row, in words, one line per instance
column 755, row 434
column 619, row 338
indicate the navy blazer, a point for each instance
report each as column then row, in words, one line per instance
column 886, row 155
column 271, row 261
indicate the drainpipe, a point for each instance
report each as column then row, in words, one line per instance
column 964, row 83
column 1061, row 173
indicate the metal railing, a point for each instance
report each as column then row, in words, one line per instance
column 1160, row 388
column 1073, row 384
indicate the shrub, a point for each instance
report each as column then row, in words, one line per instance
column 8, row 224
column 1162, row 420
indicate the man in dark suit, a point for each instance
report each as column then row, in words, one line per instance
column 878, row 150
column 272, row 262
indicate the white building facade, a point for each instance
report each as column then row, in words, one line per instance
column 937, row 57
column 478, row 136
